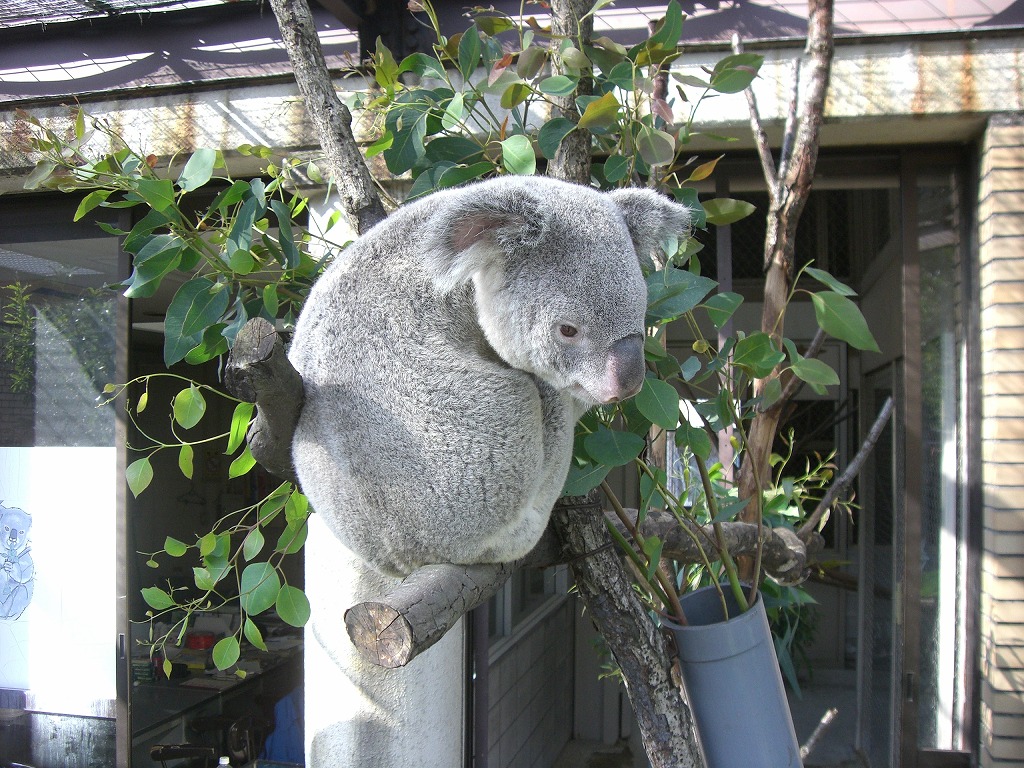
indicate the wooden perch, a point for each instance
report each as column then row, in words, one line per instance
column 258, row 371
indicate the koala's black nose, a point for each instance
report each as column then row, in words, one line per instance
column 624, row 370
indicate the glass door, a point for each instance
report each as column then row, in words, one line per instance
column 62, row 331
column 936, row 685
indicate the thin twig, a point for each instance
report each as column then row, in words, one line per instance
column 844, row 480
column 666, row 583
column 756, row 126
column 825, row 722
column 795, row 383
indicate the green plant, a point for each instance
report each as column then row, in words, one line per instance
column 479, row 104
column 17, row 337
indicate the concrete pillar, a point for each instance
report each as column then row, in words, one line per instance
column 359, row 715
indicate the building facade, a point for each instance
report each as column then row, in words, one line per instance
column 918, row 204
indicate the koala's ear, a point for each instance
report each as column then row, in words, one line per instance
column 651, row 218
column 479, row 228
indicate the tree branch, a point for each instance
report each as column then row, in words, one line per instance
column 844, row 480
column 764, row 150
column 666, row 725
column 331, row 119
column 258, row 371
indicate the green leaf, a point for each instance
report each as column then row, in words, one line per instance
column 253, row 544
column 531, row 61
column 158, row 193
column 615, row 168
column 226, row 652
column 582, row 480
column 161, row 256
column 613, row 448
column 292, row 538
column 207, row 544
column 721, row 307
column 659, row 402
column 242, row 464
column 558, row 85
column 722, row 210
column 771, row 393
column 198, row 304
column 735, row 73
column 815, row 372
column 841, row 318
column 285, row 235
column 384, row 142
column 210, row 345
column 454, row 149
column 514, row 95
column 139, row 474
column 90, row 201
column 730, row 509
column 385, row 68
column 551, row 135
column 239, row 426
column 253, row 634
column 422, row 65
column 688, row 196
column 174, row 548
column 258, row 588
column 830, row 282
column 469, row 52
column 757, row 354
column 460, row 174
column 296, row 509
column 39, row 174
column 198, row 170
column 600, row 113
column 157, row 598
column 189, row 407
column 185, row 460
column 694, row 438
column 453, row 113
column 670, row 28
column 408, row 146
column 656, row 147
column 673, row 292
column 690, row 368
column 517, row 155
column 292, row 606
column 652, row 549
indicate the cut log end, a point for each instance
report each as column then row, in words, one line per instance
column 381, row 634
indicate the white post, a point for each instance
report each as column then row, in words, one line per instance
column 359, row 715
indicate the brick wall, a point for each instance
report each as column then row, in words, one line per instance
column 1001, row 252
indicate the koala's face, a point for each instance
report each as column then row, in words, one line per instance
column 571, row 310
column 14, row 527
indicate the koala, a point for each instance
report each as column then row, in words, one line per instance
column 447, row 354
column 16, row 566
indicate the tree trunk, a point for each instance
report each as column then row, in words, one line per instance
column 789, row 185
column 331, row 119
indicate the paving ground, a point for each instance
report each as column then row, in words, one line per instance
column 832, row 749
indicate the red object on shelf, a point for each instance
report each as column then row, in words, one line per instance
column 199, row 641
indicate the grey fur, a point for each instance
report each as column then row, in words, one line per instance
column 441, row 392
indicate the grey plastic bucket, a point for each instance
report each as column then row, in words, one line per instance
column 734, row 685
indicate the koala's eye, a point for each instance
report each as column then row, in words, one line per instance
column 568, row 331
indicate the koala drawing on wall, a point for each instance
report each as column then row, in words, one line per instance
column 16, row 566
column 447, row 354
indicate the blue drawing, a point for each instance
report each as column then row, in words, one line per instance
column 16, row 568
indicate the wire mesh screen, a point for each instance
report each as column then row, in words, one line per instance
column 18, row 13
column 839, row 229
